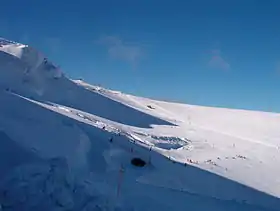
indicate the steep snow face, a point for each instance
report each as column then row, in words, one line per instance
column 68, row 145
column 26, row 54
column 29, row 56
column 24, row 69
column 50, row 186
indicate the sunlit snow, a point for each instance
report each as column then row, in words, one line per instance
column 68, row 145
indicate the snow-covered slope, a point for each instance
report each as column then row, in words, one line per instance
column 68, row 145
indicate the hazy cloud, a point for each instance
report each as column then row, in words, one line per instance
column 118, row 49
column 217, row 61
column 109, row 40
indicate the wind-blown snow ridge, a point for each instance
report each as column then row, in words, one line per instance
column 4, row 41
column 74, row 142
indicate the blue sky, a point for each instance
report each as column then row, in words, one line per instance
column 216, row 53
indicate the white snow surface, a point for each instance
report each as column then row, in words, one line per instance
column 68, row 145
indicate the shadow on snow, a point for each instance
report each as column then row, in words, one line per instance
column 200, row 184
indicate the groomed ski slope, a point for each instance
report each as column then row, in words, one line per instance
column 56, row 152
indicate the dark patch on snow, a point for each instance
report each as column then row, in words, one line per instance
column 150, row 107
column 138, row 162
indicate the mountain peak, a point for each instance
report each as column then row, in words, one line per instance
column 4, row 42
column 25, row 68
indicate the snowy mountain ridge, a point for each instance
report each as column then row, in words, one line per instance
column 4, row 41
column 75, row 143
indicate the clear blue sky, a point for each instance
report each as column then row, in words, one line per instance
column 217, row 53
